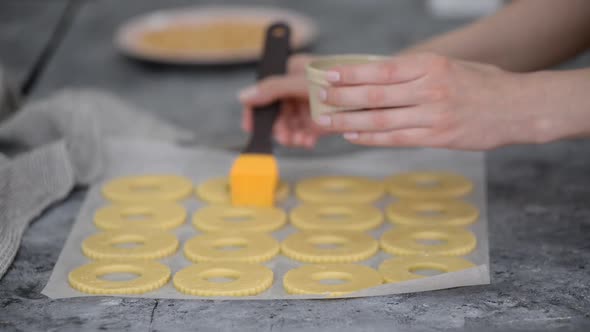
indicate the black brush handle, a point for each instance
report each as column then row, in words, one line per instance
column 273, row 62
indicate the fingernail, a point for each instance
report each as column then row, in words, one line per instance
column 324, row 120
column 323, row 94
column 248, row 93
column 332, row 76
column 351, row 136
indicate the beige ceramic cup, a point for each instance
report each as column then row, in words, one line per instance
column 316, row 78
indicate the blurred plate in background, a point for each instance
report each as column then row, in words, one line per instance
column 208, row 35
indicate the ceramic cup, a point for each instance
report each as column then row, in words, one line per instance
column 316, row 78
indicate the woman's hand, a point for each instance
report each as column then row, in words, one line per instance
column 427, row 100
column 431, row 101
column 294, row 127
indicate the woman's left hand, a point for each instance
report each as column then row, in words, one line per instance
column 431, row 101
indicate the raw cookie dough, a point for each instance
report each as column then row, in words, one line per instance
column 402, row 268
column 147, row 188
column 153, row 215
column 435, row 212
column 428, row 185
column 216, row 191
column 227, row 218
column 406, row 241
column 336, row 217
column 146, row 244
column 308, row 279
column 339, row 189
column 87, row 278
column 249, row 247
column 247, row 279
column 329, row 247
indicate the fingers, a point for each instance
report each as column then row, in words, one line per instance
column 279, row 87
column 379, row 96
column 399, row 69
column 274, row 88
column 303, row 132
column 381, row 119
column 246, row 121
column 281, row 126
column 415, row 137
column 293, row 128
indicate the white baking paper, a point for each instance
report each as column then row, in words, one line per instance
column 200, row 164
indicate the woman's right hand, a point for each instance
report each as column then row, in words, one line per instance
column 294, row 127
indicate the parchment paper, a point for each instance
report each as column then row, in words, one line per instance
column 200, row 164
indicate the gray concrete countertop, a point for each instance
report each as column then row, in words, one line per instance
column 25, row 30
column 539, row 196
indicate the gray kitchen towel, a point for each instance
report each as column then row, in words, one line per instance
column 63, row 137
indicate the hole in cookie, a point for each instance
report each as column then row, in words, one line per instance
column 230, row 247
column 221, row 280
column 333, row 281
column 427, row 182
column 334, row 216
column 145, row 187
column 429, row 209
column 119, row 276
column 426, row 272
column 127, row 241
column 430, row 238
column 127, row 245
column 431, row 242
column 137, row 216
column 431, row 213
column 237, row 218
column 336, row 187
column 328, row 246
column 238, row 215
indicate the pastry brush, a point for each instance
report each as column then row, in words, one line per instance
column 254, row 175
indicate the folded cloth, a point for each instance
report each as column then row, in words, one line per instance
column 64, row 135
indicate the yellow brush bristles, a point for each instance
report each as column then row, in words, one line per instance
column 253, row 180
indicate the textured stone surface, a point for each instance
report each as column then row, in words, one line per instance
column 538, row 201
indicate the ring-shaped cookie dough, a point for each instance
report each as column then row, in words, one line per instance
column 87, row 278
column 339, row 189
column 336, row 217
column 412, row 240
column 312, row 279
column 227, row 218
column 402, row 268
column 216, row 191
column 147, row 188
column 429, row 185
column 245, row 279
column 141, row 244
column 153, row 215
column 329, row 247
column 247, row 247
column 436, row 212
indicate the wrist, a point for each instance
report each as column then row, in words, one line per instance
column 538, row 103
column 559, row 104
